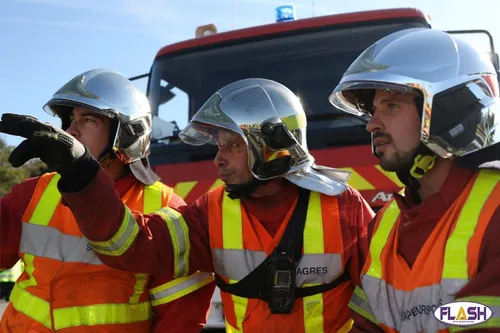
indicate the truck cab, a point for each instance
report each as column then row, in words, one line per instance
column 309, row 56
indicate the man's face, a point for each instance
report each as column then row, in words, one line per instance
column 90, row 129
column 395, row 126
column 232, row 159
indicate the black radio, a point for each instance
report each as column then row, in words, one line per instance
column 282, row 283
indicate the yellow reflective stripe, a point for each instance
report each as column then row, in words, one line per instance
column 140, row 282
column 29, row 268
column 313, row 244
column 379, row 239
column 232, row 224
column 346, row 327
column 493, row 302
column 231, row 329
column 153, row 197
column 455, row 257
column 179, row 234
column 121, row 240
column 359, row 304
column 180, row 287
column 313, row 312
column 42, row 214
column 240, row 308
column 313, row 230
column 183, row 189
column 101, row 314
column 357, row 181
column 216, row 184
column 232, row 238
column 152, row 201
column 31, row 305
column 391, row 175
column 46, row 206
column 89, row 315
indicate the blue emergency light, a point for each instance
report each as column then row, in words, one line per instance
column 286, row 13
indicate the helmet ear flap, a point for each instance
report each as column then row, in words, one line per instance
column 274, row 168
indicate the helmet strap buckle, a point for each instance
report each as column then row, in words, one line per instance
column 421, row 165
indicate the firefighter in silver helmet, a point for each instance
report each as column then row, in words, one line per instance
column 272, row 123
column 431, row 102
column 104, row 116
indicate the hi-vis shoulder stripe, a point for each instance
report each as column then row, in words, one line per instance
column 179, row 234
column 360, row 183
column 121, row 240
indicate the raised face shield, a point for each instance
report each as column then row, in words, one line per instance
column 272, row 122
column 273, row 150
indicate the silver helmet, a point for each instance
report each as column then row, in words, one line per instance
column 271, row 120
column 112, row 95
column 457, row 83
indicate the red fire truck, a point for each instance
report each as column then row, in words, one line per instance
column 309, row 56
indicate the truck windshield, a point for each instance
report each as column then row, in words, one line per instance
column 310, row 63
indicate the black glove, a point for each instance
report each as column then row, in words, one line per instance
column 55, row 147
column 59, row 150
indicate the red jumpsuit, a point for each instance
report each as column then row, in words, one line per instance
column 171, row 317
column 152, row 251
column 417, row 223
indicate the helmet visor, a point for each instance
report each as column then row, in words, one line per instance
column 206, row 123
column 357, row 97
column 243, row 111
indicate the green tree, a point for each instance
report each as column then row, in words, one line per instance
column 10, row 176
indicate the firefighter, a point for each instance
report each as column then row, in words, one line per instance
column 282, row 236
column 8, row 278
column 433, row 119
column 64, row 286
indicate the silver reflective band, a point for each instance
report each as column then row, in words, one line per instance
column 48, row 242
column 236, row 264
column 410, row 311
column 188, row 283
column 122, row 240
column 311, row 269
column 360, row 305
column 318, row 268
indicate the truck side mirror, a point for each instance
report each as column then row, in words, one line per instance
column 163, row 129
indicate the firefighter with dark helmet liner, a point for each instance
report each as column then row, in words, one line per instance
column 272, row 123
column 283, row 237
column 64, row 285
column 431, row 102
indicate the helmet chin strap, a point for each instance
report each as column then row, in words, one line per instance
column 108, row 155
column 106, row 158
column 423, row 161
column 241, row 191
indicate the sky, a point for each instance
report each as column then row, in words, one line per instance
column 45, row 43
